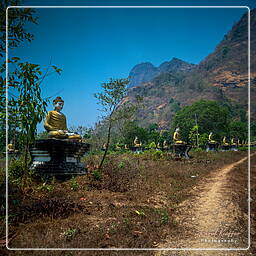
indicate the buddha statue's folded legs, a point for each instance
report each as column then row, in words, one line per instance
column 180, row 142
column 64, row 135
column 57, row 134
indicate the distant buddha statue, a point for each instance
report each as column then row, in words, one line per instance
column 224, row 141
column 118, row 146
column 165, row 145
column 233, row 142
column 136, row 142
column 210, row 138
column 10, row 147
column 56, row 124
column 177, row 137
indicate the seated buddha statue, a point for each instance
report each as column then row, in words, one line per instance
column 159, row 145
column 165, row 145
column 56, row 124
column 224, row 141
column 10, row 148
column 137, row 143
column 177, row 137
column 210, row 138
column 233, row 142
column 118, row 146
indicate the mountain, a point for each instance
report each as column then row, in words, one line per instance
column 175, row 65
column 146, row 71
column 221, row 76
column 142, row 73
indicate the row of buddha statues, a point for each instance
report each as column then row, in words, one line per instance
column 178, row 141
column 56, row 126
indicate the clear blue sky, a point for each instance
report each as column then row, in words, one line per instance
column 93, row 45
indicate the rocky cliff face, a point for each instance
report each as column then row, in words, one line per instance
column 175, row 65
column 142, row 73
column 145, row 72
column 221, row 76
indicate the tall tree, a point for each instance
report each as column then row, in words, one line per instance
column 113, row 106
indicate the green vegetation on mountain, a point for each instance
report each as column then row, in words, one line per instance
column 222, row 76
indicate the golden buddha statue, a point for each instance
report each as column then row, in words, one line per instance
column 136, row 142
column 165, row 145
column 177, row 137
column 10, row 148
column 118, row 146
column 56, row 124
column 224, row 141
column 233, row 142
column 210, row 138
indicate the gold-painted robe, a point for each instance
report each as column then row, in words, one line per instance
column 55, row 121
column 177, row 138
column 56, row 125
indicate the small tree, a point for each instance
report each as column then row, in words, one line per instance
column 31, row 107
column 114, row 106
column 18, row 19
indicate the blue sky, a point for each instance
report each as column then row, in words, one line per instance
column 93, row 45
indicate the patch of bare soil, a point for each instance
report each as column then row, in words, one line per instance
column 211, row 218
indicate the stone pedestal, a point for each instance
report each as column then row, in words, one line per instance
column 234, row 147
column 225, row 147
column 212, row 147
column 137, row 149
column 181, row 150
column 59, row 158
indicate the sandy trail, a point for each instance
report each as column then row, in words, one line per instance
column 210, row 219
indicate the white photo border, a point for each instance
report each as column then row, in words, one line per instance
column 134, row 249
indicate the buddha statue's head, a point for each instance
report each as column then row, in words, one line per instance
column 177, row 129
column 58, row 104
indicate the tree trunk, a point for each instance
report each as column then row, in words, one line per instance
column 107, row 145
column 26, row 154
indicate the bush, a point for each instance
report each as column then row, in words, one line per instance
column 198, row 150
column 115, row 176
column 16, row 170
column 97, row 175
column 73, row 184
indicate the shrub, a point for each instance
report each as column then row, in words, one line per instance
column 46, row 187
column 73, row 184
column 97, row 175
column 69, row 233
column 16, row 170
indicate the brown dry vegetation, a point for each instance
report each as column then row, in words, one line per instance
column 239, row 179
column 131, row 205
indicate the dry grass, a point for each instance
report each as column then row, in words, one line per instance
column 130, row 205
column 238, row 178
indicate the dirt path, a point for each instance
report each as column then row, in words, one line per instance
column 210, row 219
